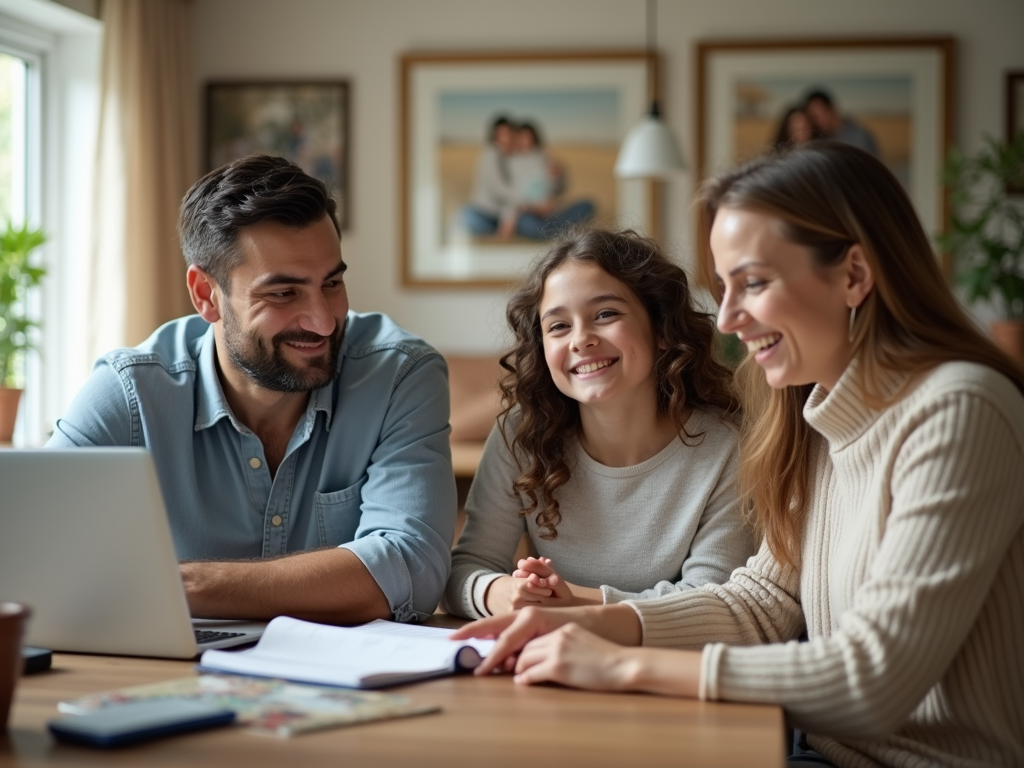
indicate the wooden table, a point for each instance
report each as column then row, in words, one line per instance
column 484, row 722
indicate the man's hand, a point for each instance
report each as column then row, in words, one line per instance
column 328, row 585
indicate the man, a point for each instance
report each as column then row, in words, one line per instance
column 302, row 448
column 492, row 201
column 829, row 124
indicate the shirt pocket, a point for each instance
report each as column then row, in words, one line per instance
column 338, row 513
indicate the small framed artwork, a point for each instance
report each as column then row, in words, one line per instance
column 1014, row 117
column 1014, row 105
column 501, row 152
column 892, row 97
column 303, row 121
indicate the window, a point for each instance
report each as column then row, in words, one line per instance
column 13, row 129
column 49, row 94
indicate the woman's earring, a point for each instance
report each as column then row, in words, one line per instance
column 853, row 317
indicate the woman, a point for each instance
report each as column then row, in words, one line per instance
column 616, row 453
column 794, row 128
column 883, row 446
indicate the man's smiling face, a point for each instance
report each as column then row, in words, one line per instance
column 284, row 316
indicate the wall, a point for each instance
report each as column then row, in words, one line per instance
column 361, row 40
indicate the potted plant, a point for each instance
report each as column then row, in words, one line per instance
column 17, row 276
column 986, row 232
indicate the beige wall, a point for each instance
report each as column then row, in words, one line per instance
column 361, row 40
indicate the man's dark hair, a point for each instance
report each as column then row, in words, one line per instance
column 821, row 95
column 497, row 123
column 249, row 191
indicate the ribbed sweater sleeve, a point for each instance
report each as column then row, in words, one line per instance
column 912, row 584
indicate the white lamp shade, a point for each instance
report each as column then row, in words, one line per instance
column 649, row 151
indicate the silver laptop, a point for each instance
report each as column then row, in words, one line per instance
column 84, row 541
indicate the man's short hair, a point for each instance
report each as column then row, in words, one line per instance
column 819, row 95
column 249, row 191
column 496, row 123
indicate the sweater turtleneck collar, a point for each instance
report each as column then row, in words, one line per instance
column 842, row 415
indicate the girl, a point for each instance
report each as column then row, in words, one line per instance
column 882, row 444
column 615, row 452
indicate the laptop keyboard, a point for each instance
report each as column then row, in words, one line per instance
column 209, row 635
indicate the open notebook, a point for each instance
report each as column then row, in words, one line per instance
column 373, row 655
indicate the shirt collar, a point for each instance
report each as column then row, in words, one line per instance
column 212, row 405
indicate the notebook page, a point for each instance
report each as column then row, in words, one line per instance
column 317, row 653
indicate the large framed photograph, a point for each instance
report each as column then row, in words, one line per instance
column 892, row 97
column 305, row 122
column 501, row 152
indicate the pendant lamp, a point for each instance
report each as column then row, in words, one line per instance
column 650, row 150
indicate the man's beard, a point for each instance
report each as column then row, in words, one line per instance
column 268, row 368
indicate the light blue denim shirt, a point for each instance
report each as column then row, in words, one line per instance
column 368, row 467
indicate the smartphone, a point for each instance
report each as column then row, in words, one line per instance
column 138, row 721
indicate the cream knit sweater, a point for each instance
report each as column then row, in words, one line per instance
column 911, row 588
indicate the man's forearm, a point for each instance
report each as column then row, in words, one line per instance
column 328, row 585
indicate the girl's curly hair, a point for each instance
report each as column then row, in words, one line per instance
column 688, row 371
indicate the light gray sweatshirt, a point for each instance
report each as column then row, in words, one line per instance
column 670, row 523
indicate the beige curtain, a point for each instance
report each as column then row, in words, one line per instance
column 145, row 164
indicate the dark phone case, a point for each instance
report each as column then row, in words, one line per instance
column 120, row 726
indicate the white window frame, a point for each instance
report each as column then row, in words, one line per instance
column 63, row 50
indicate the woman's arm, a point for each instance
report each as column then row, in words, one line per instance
column 946, row 504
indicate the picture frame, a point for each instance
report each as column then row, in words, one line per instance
column 305, row 121
column 1014, row 104
column 899, row 89
column 582, row 104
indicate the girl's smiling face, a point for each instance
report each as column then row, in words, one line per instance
column 598, row 341
column 792, row 315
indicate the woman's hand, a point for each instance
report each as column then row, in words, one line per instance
column 576, row 657
column 618, row 623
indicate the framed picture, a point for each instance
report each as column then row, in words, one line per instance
column 890, row 96
column 500, row 152
column 305, row 122
column 1014, row 105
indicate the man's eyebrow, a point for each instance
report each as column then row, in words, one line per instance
column 601, row 299
column 281, row 278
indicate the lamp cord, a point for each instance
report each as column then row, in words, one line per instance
column 652, row 19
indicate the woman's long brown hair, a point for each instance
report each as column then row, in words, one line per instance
column 828, row 196
column 687, row 371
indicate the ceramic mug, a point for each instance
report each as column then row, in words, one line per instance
column 13, row 618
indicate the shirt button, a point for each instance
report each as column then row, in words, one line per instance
column 276, row 519
column 255, row 463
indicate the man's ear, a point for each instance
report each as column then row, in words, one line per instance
column 203, row 291
column 860, row 279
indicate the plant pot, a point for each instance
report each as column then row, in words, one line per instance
column 9, row 399
column 1009, row 335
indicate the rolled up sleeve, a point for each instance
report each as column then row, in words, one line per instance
column 407, row 515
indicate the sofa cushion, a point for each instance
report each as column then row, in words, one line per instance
column 476, row 399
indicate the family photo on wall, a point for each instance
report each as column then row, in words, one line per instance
column 502, row 153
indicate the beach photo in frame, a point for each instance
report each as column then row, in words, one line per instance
column 303, row 121
column 567, row 114
column 896, row 91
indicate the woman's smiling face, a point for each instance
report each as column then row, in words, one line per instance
column 791, row 314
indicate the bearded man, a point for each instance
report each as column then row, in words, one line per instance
column 302, row 448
